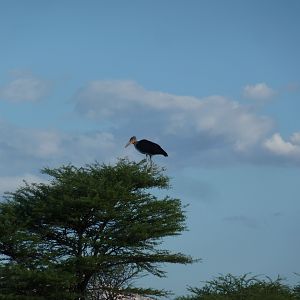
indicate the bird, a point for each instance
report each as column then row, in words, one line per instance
column 146, row 147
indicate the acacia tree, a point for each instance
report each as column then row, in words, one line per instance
column 107, row 285
column 245, row 287
column 86, row 221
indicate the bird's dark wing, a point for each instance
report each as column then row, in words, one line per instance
column 150, row 148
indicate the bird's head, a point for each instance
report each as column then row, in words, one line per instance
column 131, row 141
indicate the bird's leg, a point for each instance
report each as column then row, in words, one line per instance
column 148, row 160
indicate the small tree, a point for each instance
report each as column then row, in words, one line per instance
column 244, row 287
column 86, row 222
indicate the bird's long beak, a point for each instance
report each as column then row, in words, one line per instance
column 127, row 144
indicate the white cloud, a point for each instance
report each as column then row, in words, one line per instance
column 295, row 138
column 21, row 149
column 87, row 147
column 211, row 130
column 213, row 119
column 25, row 87
column 108, row 98
column 288, row 149
column 30, row 142
column 11, row 183
column 258, row 91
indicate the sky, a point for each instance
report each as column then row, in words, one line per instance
column 215, row 83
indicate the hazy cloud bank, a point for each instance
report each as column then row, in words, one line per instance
column 25, row 87
column 194, row 131
column 204, row 129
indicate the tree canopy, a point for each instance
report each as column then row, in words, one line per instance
column 245, row 287
column 56, row 237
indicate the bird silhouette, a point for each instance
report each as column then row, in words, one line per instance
column 146, row 147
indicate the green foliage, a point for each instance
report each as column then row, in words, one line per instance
column 231, row 287
column 31, row 284
column 86, row 221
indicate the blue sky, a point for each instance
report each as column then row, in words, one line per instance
column 216, row 83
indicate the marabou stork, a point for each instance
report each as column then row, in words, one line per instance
column 147, row 147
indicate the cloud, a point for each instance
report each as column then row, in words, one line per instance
column 106, row 99
column 26, row 149
column 185, row 123
column 90, row 146
column 295, row 138
column 242, row 220
column 25, row 88
column 29, row 142
column 258, row 91
column 203, row 131
column 277, row 146
column 11, row 183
